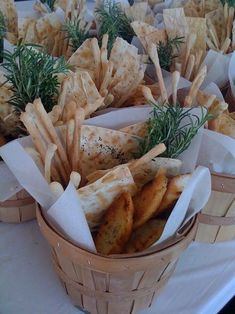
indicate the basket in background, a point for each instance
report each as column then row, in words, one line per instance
column 217, row 220
column 19, row 208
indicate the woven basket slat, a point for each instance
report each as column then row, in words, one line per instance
column 123, row 307
column 101, row 281
column 66, row 265
column 227, row 233
column 114, row 285
column 102, row 306
column 218, row 205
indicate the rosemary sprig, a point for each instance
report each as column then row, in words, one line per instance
column 114, row 22
column 231, row 3
column 3, row 28
column 166, row 126
column 76, row 32
column 49, row 3
column 166, row 51
column 32, row 74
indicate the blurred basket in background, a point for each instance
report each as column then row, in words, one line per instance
column 217, row 220
column 118, row 284
column 19, row 208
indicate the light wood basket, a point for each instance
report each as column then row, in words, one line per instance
column 118, row 284
column 19, row 208
column 217, row 220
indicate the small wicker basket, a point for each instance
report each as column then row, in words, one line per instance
column 217, row 220
column 19, row 208
column 114, row 285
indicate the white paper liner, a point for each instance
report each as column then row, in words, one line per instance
column 217, row 152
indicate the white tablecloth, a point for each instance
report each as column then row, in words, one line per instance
column 204, row 280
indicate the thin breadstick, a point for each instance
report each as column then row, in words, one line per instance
column 53, row 135
column 233, row 36
column 56, row 188
column 55, row 114
column 175, row 82
column 178, row 67
column 147, row 94
column 213, row 34
column 107, row 77
column 35, row 135
column 198, row 59
column 190, row 67
column 75, row 178
column 210, row 44
column 48, row 160
column 226, row 45
column 96, row 53
column 153, row 153
column 79, row 118
column 69, row 111
column 152, row 50
column 226, row 11
column 104, row 56
column 69, row 137
column 209, row 101
column 35, row 156
column 230, row 21
column 190, row 43
column 197, row 82
column 59, row 169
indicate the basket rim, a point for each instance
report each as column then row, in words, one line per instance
column 58, row 240
column 222, row 175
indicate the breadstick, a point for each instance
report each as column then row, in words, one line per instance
column 96, row 53
column 104, row 56
column 175, row 82
column 75, row 178
column 198, row 58
column 53, row 135
column 190, row 43
column 210, row 44
column 35, row 135
column 190, row 66
column 107, row 77
column 197, row 82
column 79, row 118
column 225, row 46
column 48, row 160
column 69, row 138
column 178, row 67
column 35, row 156
column 213, row 34
column 69, row 111
column 55, row 114
column 230, row 21
column 147, row 94
column 152, row 50
column 153, row 153
column 56, row 188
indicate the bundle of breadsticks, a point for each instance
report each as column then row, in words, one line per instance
column 219, row 22
column 115, row 189
column 8, row 9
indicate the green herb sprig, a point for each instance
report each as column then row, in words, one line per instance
column 3, row 27
column 231, row 3
column 165, row 126
column 166, row 51
column 114, row 22
column 49, row 3
column 32, row 74
column 76, row 32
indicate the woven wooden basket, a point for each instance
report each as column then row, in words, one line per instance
column 19, row 208
column 115, row 285
column 217, row 220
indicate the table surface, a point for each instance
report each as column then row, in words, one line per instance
column 204, row 280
